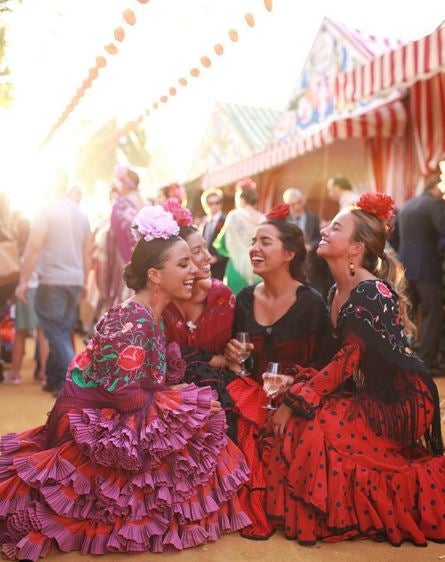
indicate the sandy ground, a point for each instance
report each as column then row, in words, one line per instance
column 26, row 406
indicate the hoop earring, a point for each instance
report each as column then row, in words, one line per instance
column 352, row 269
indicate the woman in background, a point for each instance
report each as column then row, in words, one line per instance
column 236, row 236
column 120, row 242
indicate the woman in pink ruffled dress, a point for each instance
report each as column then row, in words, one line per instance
column 130, row 460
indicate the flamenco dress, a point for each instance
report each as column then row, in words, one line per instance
column 201, row 340
column 362, row 455
column 293, row 338
column 124, row 462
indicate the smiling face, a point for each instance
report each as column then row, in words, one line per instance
column 337, row 238
column 267, row 253
column 175, row 278
column 201, row 257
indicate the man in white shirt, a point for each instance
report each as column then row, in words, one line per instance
column 59, row 244
column 340, row 189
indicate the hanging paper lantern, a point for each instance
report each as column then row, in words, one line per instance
column 172, row 91
column 87, row 83
column 93, row 73
column 155, row 105
column 206, row 62
column 129, row 16
column 111, row 49
column 219, row 49
column 183, row 81
column 195, row 72
column 249, row 19
column 233, row 34
column 164, row 99
column 268, row 5
column 119, row 33
column 101, row 62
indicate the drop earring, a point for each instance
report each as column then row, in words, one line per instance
column 352, row 269
column 155, row 294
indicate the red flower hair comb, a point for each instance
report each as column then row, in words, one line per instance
column 279, row 212
column 377, row 204
column 182, row 215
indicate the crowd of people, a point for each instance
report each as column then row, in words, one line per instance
column 163, row 435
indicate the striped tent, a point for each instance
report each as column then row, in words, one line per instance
column 416, row 69
column 419, row 66
column 387, row 121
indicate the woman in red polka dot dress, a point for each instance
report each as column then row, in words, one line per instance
column 355, row 450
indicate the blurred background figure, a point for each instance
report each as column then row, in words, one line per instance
column 212, row 201
column 120, row 239
column 235, row 238
column 8, row 233
column 59, row 245
column 175, row 190
column 340, row 189
column 75, row 193
column 26, row 323
column 308, row 222
column 318, row 272
column 421, row 223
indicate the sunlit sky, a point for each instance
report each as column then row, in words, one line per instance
column 52, row 43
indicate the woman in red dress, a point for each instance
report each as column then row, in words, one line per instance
column 356, row 449
column 202, row 325
column 286, row 320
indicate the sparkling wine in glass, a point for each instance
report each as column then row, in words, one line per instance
column 273, row 382
column 244, row 339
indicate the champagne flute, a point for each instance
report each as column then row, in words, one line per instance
column 273, row 382
column 244, row 339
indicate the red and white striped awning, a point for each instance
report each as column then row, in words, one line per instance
column 401, row 67
column 386, row 121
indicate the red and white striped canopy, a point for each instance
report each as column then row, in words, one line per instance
column 386, row 121
column 401, row 67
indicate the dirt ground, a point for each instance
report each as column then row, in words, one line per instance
column 26, row 406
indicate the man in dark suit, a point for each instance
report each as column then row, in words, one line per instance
column 317, row 269
column 421, row 223
column 308, row 222
column 211, row 201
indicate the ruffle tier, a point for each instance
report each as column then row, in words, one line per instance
column 163, row 478
column 331, row 479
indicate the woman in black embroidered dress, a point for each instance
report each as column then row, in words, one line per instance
column 286, row 320
column 357, row 449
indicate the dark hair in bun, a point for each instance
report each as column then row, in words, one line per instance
column 145, row 256
column 292, row 238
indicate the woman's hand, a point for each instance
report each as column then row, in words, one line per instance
column 218, row 362
column 215, row 406
column 233, row 351
column 280, row 419
column 177, row 386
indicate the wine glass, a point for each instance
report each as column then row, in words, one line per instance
column 244, row 339
column 273, row 382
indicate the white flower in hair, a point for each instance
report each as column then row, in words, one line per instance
column 154, row 222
